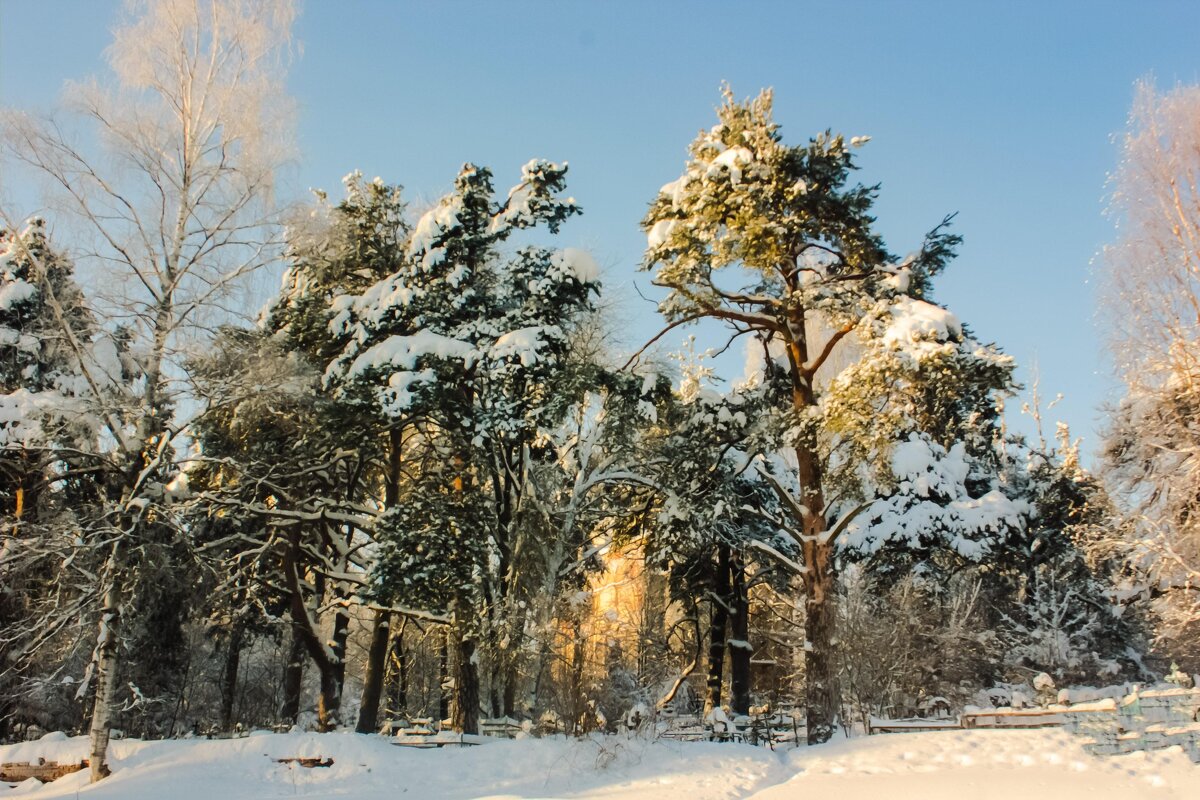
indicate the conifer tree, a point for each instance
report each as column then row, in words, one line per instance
column 473, row 348
column 40, row 429
column 775, row 241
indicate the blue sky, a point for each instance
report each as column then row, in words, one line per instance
column 1003, row 112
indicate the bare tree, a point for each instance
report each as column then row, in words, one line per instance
column 173, row 193
column 1150, row 307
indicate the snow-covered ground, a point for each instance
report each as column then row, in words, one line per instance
column 964, row 765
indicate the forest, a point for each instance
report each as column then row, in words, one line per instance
column 417, row 476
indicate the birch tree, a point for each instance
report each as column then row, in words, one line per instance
column 171, row 199
column 1150, row 310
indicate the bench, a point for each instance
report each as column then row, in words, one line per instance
column 503, row 728
column 439, row 739
column 1015, row 718
column 876, row 726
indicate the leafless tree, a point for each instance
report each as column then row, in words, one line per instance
column 168, row 168
column 1150, row 308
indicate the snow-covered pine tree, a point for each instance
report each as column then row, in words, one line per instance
column 338, row 252
column 40, row 426
column 711, row 521
column 1058, row 587
column 776, row 241
column 288, row 475
column 38, row 360
column 474, row 346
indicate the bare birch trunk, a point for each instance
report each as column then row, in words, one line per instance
column 107, row 665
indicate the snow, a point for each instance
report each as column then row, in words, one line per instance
column 431, row 227
column 982, row 765
column 1043, row 682
column 661, row 231
column 524, row 343
column 914, row 320
column 733, row 160
column 16, row 291
column 577, row 263
column 675, row 190
column 22, row 341
column 20, row 415
column 914, row 460
column 931, row 500
column 107, row 358
column 961, row 764
column 403, row 352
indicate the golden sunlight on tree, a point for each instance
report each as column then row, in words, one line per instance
column 1150, row 307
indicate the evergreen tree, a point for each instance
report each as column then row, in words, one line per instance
column 39, row 427
column 472, row 347
column 776, row 241
column 1055, row 584
column 716, row 515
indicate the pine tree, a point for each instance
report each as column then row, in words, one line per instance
column 473, row 348
column 715, row 514
column 1057, row 583
column 775, row 240
column 40, row 426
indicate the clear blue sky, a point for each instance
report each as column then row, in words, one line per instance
column 1003, row 112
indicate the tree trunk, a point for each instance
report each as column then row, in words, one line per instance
column 107, row 665
column 377, row 655
column 510, row 661
column 820, row 584
column 327, row 659
column 578, row 699
column 739, row 646
column 717, row 628
column 337, row 644
column 233, row 658
column 368, row 711
column 494, row 688
column 446, row 683
column 466, row 688
column 397, row 674
column 293, row 679
column 330, row 700
column 510, row 691
column 820, row 666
